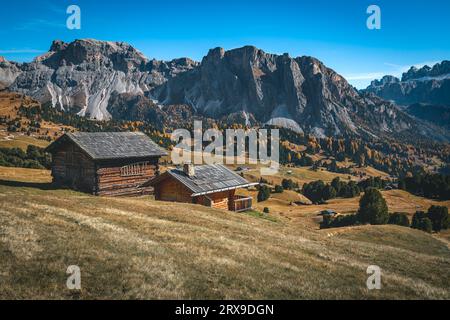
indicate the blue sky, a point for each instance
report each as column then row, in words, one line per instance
column 334, row 31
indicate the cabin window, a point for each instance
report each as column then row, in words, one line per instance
column 135, row 169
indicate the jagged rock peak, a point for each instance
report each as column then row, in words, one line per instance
column 438, row 69
column 385, row 80
column 117, row 55
column 428, row 85
column 215, row 53
column 82, row 75
column 247, row 51
column 58, row 45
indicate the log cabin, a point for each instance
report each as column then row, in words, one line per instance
column 208, row 185
column 105, row 163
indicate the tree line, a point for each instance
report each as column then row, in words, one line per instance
column 433, row 186
column 385, row 155
column 34, row 157
column 374, row 210
column 319, row 192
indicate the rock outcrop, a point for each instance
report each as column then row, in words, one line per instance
column 246, row 85
column 298, row 93
column 428, row 85
column 81, row 76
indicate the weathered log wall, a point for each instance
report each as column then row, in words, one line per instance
column 171, row 189
column 114, row 178
column 72, row 167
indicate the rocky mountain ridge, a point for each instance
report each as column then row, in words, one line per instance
column 81, row 76
column 428, row 85
column 299, row 93
column 112, row 79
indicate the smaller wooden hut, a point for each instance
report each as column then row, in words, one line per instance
column 105, row 163
column 208, row 185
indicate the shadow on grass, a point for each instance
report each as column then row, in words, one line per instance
column 36, row 185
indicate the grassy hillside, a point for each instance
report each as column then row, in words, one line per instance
column 10, row 104
column 22, row 141
column 299, row 174
column 284, row 205
column 140, row 248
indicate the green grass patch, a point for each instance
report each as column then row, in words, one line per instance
column 257, row 214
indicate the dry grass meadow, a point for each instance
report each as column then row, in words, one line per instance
column 137, row 248
column 10, row 104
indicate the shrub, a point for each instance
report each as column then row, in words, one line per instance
column 426, row 225
column 399, row 218
column 372, row 182
column 336, row 184
column 313, row 190
column 439, row 217
column 326, row 222
column 350, row 190
column 287, row 184
column 417, row 218
column 339, row 221
column 318, row 191
column 421, row 221
column 373, row 208
column 263, row 193
column 32, row 164
column 35, row 157
column 329, row 192
column 279, row 189
column 345, row 221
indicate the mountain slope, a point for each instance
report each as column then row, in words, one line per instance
column 425, row 92
column 142, row 249
column 247, row 85
column 425, row 85
column 437, row 114
column 82, row 75
column 298, row 93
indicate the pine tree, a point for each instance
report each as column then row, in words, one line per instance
column 373, row 208
column 263, row 193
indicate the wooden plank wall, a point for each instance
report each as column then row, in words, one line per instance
column 219, row 200
column 71, row 167
column 171, row 189
column 111, row 181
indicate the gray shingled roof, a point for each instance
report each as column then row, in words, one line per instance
column 112, row 145
column 207, row 179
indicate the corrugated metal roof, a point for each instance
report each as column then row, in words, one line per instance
column 207, row 179
column 112, row 145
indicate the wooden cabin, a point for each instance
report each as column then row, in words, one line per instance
column 105, row 163
column 209, row 185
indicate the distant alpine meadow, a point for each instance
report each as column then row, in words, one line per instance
column 231, row 149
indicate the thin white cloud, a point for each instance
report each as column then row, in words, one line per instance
column 365, row 76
